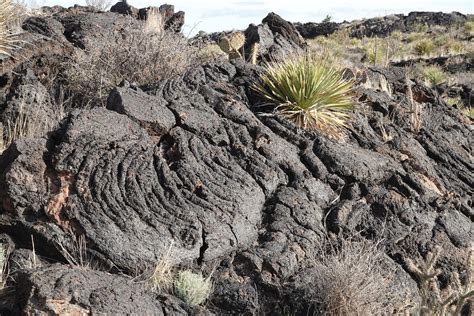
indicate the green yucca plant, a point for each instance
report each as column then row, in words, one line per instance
column 434, row 75
column 309, row 91
column 7, row 37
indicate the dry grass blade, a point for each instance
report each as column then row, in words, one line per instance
column 8, row 39
column 3, row 265
column 308, row 91
column 162, row 277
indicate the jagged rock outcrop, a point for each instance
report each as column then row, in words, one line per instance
column 67, row 290
column 275, row 38
column 383, row 26
column 171, row 19
column 312, row 30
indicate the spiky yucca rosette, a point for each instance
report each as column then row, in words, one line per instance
column 307, row 90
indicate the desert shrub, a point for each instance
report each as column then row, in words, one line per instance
column 452, row 46
column 419, row 27
column 434, row 75
column 308, row 91
column 192, row 288
column 424, row 47
column 469, row 27
column 414, row 37
column 396, row 35
column 141, row 55
column 100, row 5
column 351, row 278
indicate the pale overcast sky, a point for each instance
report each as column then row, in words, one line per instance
column 215, row 15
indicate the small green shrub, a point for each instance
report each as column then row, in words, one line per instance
column 419, row 27
column 396, row 35
column 414, row 37
column 424, row 47
column 469, row 27
column 453, row 46
column 434, row 75
column 192, row 288
column 308, row 91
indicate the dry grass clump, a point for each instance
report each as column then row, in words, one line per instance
column 162, row 278
column 26, row 125
column 424, row 47
column 192, row 288
column 469, row 27
column 352, row 279
column 141, row 55
column 8, row 37
column 415, row 37
column 433, row 301
column 308, row 91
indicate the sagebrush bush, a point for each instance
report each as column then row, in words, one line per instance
column 308, row 91
column 424, row 47
column 434, row 75
column 192, row 288
column 141, row 55
column 352, row 279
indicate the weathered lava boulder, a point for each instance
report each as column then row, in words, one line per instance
column 312, row 30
